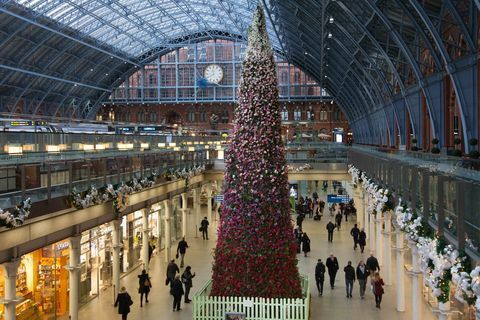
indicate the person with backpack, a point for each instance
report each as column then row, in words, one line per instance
column 187, row 277
column 144, row 285
column 123, row 301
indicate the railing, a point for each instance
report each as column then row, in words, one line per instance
column 316, row 152
column 206, row 307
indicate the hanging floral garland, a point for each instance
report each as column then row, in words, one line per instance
column 185, row 173
column 17, row 216
column 303, row 167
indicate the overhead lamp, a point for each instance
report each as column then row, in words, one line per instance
column 124, row 146
column 161, row 145
column 13, row 149
column 191, row 148
column 330, row 35
column 52, row 148
column 100, row 146
column 331, row 19
column 88, row 147
column 172, row 144
column 144, row 145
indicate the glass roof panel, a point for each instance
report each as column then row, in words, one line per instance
column 137, row 26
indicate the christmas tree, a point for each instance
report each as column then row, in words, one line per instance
column 255, row 254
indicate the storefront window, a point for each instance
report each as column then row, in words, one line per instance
column 132, row 240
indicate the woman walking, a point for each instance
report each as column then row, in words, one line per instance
column 144, row 285
column 187, row 277
column 305, row 244
column 124, row 301
column 378, row 289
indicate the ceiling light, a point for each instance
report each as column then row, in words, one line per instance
column 331, row 20
column 329, row 35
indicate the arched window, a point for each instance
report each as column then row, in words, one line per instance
column 285, row 114
column 202, row 116
column 191, row 116
column 141, row 117
column 297, row 115
column 153, row 117
column 323, row 115
column 224, row 117
column 336, row 115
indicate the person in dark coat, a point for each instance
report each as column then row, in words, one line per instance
column 377, row 283
column 172, row 270
column 349, row 278
column 362, row 239
column 372, row 264
column 300, row 217
column 305, row 244
column 144, row 285
column 150, row 251
column 362, row 275
column 204, row 226
column 123, row 301
column 182, row 249
column 330, row 229
column 332, row 266
column 338, row 220
column 355, row 232
column 177, row 292
column 187, row 277
column 320, row 276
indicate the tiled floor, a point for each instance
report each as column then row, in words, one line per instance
column 332, row 305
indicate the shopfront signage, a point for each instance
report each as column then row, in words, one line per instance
column 338, row 198
column 219, row 198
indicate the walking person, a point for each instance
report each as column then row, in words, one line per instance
column 172, row 270
column 123, row 301
column 349, row 278
column 177, row 292
column 332, row 266
column 338, row 220
column 144, row 285
column 182, row 249
column 187, row 277
column 362, row 239
column 377, row 283
column 355, row 232
column 305, row 244
column 362, row 275
column 372, row 264
column 204, row 228
column 320, row 276
column 330, row 229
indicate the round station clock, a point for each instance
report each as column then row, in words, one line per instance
column 213, row 73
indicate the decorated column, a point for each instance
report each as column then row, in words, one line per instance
column 416, row 298
column 255, row 254
column 168, row 238
column 358, row 200
column 400, row 276
column 378, row 238
column 145, row 238
column 372, row 234
column 116, row 244
column 184, row 214
column 209, row 203
column 10, row 300
column 74, row 275
column 366, row 217
column 196, row 209
column 159, row 228
column 387, row 248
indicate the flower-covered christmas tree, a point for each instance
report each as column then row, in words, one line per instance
column 256, row 251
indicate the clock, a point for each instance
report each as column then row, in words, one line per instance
column 213, row 73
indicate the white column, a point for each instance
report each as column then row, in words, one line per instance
column 74, row 275
column 159, row 228
column 209, row 204
column 117, row 246
column 196, row 209
column 168, row 239
column 400, row 271
column 387, row 249
column 10, row 300
column 184, row 214
column 145, row 237
column 372, row 233
column 366, row 224
column 416, row 294
column 358, row 200
column 378, row 238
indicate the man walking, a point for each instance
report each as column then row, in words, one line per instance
column 372, row 264
column 330, row 229
column 338, row 220
column 362, row 275
column 349, row 278
column 362, row 239
column 204, row 226
column 355, row 232
column 332, row 266
column 172, row 270
column 320, row 276
column 182, row 249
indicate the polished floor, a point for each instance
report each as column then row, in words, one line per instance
column 332, row 305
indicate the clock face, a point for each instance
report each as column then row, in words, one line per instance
column 213, row 73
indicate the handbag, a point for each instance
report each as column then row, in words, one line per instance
column 130, row 301
column 167, row 281
column 147, row 283
column 200, row 229
column 176, row 256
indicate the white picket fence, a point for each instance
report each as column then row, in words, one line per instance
column 206, row 307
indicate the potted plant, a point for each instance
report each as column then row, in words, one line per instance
column 414, row 147
column 457, row 152
column 474, row 154
column 435, row 149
